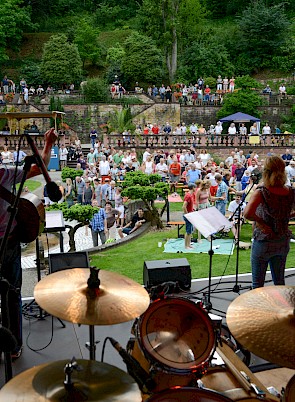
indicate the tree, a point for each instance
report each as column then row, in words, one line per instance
column 142, row 59
column 121, row 120
column 70, row 173
column 86, row 38
column 168, row 22
column 61, row 61
column 245, row 101
column 96, row 90
column 77, row 212
column 138, row 185
column 14, row 19
column 263, row 31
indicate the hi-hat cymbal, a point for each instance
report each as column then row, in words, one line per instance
column 263, row 321
column 95, row 382
column 65, row 294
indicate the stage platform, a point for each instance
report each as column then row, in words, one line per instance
column 45, row 340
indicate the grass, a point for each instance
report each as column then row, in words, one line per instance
column 129, row 259
column 31, row 184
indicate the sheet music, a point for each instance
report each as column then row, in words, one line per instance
column 208, row 221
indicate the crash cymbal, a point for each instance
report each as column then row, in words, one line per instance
column 65, row 294
column 263, row 321
column 93, row 381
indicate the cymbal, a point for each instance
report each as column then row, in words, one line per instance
column 65, row 294
column 95, row 382
column 263, row 321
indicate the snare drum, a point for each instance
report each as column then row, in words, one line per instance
column 174, row 341
column 188, row 395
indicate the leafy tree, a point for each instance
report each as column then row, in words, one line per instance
column 31, row 72
column 96, row 90
column 168, row 21
column 77, row 212
column 121, row 120
column 247, row 82
column 86, row 38
column 245, row 101
column 142, row 59
column 61, row 61
column 263, row 31
column 137, row 185
column 207, row 56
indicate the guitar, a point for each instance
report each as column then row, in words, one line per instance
column 30, row 216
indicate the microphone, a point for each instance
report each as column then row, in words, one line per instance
column 8, row 342
column 143, row 379
column 52, row 188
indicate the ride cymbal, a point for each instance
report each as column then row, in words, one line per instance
column 66, row 295
column 263, row 321
column 91, row 381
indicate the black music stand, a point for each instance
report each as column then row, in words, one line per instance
column 209, row 222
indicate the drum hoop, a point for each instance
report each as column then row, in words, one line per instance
column 194, row 391
column 156, row 359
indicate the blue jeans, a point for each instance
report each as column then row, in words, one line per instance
column 272, row 252
column 221, row 207
column 189, row 229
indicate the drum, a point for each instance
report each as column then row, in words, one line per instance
column 174, row 342
column 289, row 395
column 176, row 335
column 188, row 395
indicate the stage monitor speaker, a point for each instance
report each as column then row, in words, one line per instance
column 61, row 261
column 175, row 270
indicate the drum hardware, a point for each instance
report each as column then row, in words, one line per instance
column 262, row 320
column 101, row 298
column 75, row 380
column 143, row 379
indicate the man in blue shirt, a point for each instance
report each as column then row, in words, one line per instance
column 18, row 156
column 193, row 174
column 98, row 226
column 221, row 194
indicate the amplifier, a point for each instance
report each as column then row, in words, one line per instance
column 175, row 270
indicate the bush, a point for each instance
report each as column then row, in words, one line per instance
column 96, row 90
column 70, row 173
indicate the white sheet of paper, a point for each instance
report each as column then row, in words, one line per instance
column 208, row 221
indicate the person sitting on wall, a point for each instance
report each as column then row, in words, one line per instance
column 136, row 222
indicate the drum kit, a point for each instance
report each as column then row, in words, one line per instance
column 175, row 344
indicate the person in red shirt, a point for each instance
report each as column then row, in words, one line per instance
column 155, row 129
column 188, row 206
column 174, row 173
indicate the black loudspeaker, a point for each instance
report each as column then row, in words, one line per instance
column 61, row 261
column 159, row 271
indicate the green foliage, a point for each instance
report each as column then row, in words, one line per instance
column 138, row 185
column 86, row 38
column 263, row 31
column 31, row 73
column 211, row 81
column 96, row 90
column 142, row 59
column 55, row 105
column 207, row 56
column 244, row 101
column 121, row 120
column 70, row 173
column 247, row 82
column 78, row 212
column 61, row 61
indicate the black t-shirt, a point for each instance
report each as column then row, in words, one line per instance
column 135, row 219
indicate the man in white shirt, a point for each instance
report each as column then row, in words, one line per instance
column 104, row 167
column 233, row 208
column 193, row 129
column 232, row 129
column 290, row 172
column 218, row 128
column 63, row 155
column 266, row 130
column 243, row 129
column 146, row 153
column 162, row 169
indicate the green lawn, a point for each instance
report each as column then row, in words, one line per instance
column 31, row 184
column 128, row 259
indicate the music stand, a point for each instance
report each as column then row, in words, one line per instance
column 209, row 222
